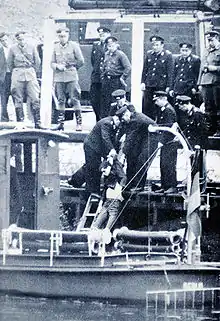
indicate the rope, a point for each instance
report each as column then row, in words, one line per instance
column 149, row 162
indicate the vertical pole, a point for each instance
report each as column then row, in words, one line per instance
column 137, row 57
column 51, row 248
column 47, row 72
column 202, row 45
column 4, row 238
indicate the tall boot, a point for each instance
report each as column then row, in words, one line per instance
column 211, row 124
column 37, row 121
column 60, row 120
column 78, row 120
column 217, row 133
column 19, row 114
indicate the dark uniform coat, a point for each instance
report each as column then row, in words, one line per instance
column 185, row 74
column 116, row 66
column 98, row 144
column 157, row 75
column 210, row 82
column 194, row 127
column 97, row 58
column 138, row 146
column 167, row 117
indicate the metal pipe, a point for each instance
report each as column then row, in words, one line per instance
column 125, row 234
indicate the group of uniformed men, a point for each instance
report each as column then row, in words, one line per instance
column 165, row 81
column 171, row 86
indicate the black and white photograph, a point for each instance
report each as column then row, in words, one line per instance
column 109, row 160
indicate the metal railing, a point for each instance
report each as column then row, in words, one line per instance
column 190, row 297
column 50, row 241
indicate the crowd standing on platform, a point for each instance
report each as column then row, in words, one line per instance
column 174, row 87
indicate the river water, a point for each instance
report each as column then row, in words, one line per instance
column 14, row 308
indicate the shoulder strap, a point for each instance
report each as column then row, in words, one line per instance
column 25, row 55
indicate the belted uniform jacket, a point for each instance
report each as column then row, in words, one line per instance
column 185, row 74
column 116, row 64
column 102, row 137
column 207, row 77
column 158, row 69
column 23, row 62
column 71, row 57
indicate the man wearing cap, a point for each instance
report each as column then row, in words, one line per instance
column 67, row 58
column 97, row 57
column 192, row 122
column 139, row 145
column 23, row 62
column 185, row 72
column 209, row 82
column 166, row 116
column 156, row 75
column 114, row 72
column 5, row 76
column 120, row 96
column 100, row 142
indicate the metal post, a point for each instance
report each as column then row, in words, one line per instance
column 4, row 239
column 51, row 248
column 47, row 72
column 137, row 57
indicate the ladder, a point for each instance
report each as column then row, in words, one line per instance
column 93, row 207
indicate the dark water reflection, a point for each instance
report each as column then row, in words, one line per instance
column 13, row 308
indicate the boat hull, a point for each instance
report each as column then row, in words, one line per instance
column 108, row 283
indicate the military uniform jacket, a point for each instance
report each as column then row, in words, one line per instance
column 102, row 137
column 116, row 64
column 166, row 116
column 158, row 69
column 185, row 74
column 136, row 131
column 212, row 57
column 71, row 57
column 23, row 62
column 97, row 58
column 193, row 125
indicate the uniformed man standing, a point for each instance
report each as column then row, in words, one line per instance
column 67, row 58
column 115, row 70
column 5, row 76
column 185, row 72
column 156, row 75
column 193, row 125
column 23, row 62
column 166, row 116
column 209, row 82
column 97, row 57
